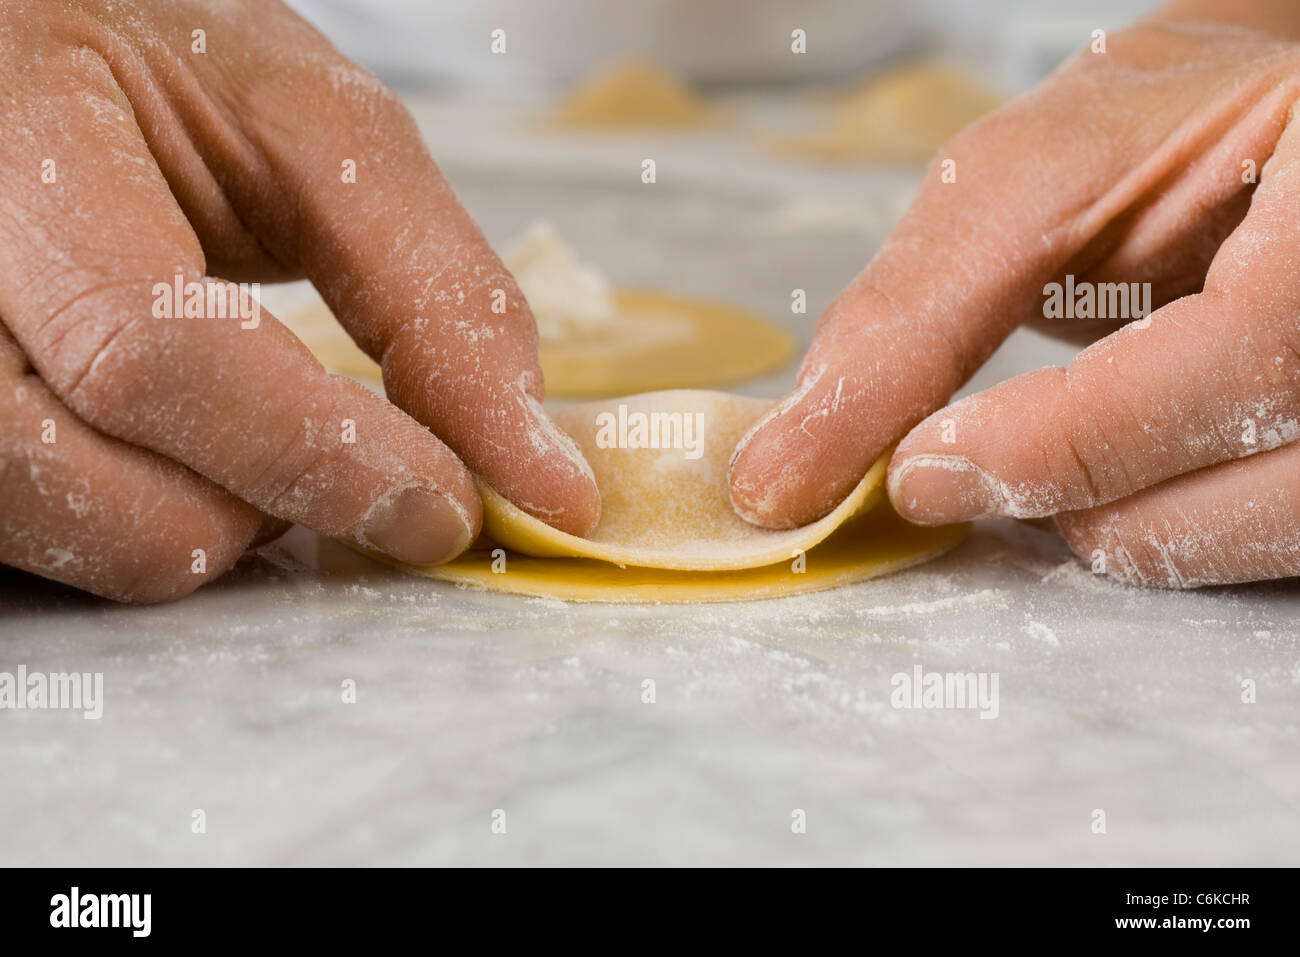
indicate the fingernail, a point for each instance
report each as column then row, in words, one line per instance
column 578, row 512
column 415, row 525
column 934, row 489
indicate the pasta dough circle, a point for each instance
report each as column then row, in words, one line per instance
column 667, row 531
column 655, row 341
column 662, row 341
column 875, row 543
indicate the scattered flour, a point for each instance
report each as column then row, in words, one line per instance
column 567, row 297
column 1037, row 630
column 995, row 597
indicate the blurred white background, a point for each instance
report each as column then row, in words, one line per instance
column 414, row 44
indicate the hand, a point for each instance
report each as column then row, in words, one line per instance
column 141, row 450
column 1173, row 159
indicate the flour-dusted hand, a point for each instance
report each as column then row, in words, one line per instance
column 153, row 417
column 1161, row 164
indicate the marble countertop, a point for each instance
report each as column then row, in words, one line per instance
column 467, row 704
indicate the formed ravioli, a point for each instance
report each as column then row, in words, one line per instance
column 667, row 531
column 668, row 507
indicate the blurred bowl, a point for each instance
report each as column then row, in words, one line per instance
column 557, row 41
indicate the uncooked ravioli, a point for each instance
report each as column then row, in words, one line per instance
column 667, row 530
column 667, row 507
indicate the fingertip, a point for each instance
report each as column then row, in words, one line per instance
column 762, row 489
column 420, row 526
column 1096, row 536
column 562, row 490
column 552, row 481
column 934, row 478
column 579, row 513
column 781, row 475
column 583, row 513
column 940, row 489
column 199, row 538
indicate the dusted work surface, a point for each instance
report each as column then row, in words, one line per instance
column 1109, row 698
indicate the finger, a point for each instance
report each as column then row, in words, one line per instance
column 380, row 233
column 101, row 515
column 893, row 346
column 1235, row 522
column 271, row 529
column 1212, row 378
column 1157, row 264
column 1020, row 206
column 1163, row 247
column 229, row 392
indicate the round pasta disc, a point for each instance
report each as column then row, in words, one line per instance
column 875, row 543
column 667, row 531
column 661, row 341
column 655, row 341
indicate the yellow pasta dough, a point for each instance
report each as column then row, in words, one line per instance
column 653, row 341
column 632, row 93
column 875, row 543
column 662, row 341
column 595, row 338
column 667, row 530
column 660, row 460
column 901, row 116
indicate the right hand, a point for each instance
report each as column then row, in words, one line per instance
column 1131, row 166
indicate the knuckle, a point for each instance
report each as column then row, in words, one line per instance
column 281, row 479
column 70, row 309
column 1280, row 358
column 156, row 586
column 1093, row 537
column 347, row 95
column 100, row 393
column 1090, row 464
column 1126, row 548
column 94, row 346
column 199, row 549
column 361, row 97
column 298, row 475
